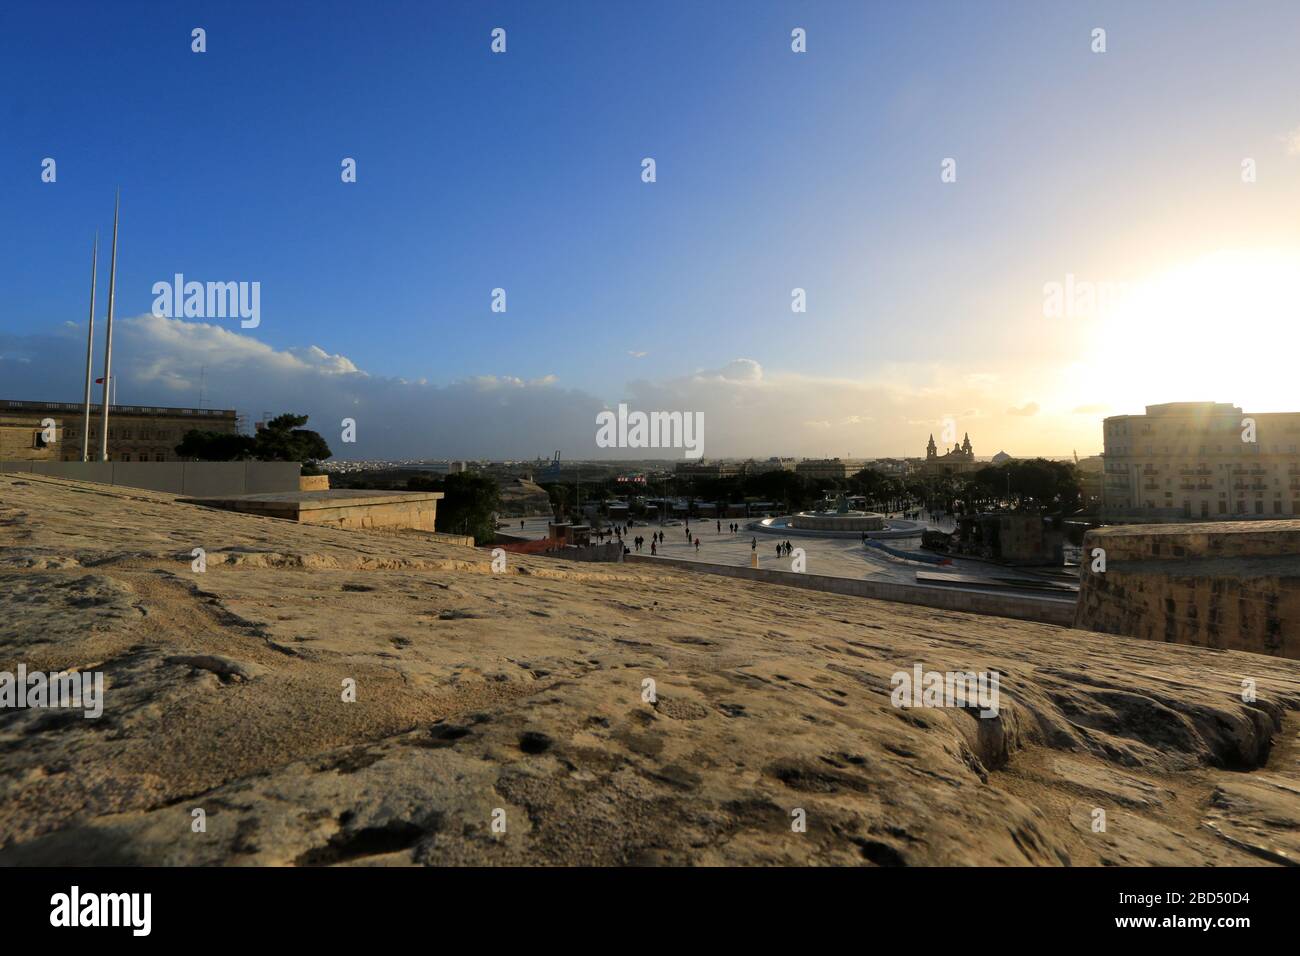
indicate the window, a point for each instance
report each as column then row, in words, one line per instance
column 126, row 457
column 160, row 457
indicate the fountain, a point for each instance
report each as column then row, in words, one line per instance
column 842, row 519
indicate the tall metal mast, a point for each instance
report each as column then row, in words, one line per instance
column 108, row 344
column 90, row 344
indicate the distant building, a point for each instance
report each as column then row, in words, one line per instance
column 706, row 469
column 1001, row 458
column 23, row 439
column 1200, row 460
column 834, row 468
column 135, row 432
column 959, row 461
column 893, row 467
column 1010, row 538
column 753, row 467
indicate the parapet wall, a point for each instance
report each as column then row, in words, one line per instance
column 1227, row 585
column 351, row 509
column 813, row 521
column 1045, row 610
column 197, row 478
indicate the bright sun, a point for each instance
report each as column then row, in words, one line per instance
column 1225, row 327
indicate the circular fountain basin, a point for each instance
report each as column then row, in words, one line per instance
column 851, row 521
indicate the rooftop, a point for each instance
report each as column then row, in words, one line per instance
column 116, row 409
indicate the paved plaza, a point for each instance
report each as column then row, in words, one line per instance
column 837, row 557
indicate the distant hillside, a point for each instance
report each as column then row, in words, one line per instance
column 521, row 498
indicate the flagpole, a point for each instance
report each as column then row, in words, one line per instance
column 90, row 345
column 108, row 343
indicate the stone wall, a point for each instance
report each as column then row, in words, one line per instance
column 1226, row 585
column 198, row 478
column 611, row 552
column 1044, row 609
column 416, row 515
column 20, row 440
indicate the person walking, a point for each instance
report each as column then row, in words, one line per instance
column 753, row 544
column 697, row 545
column 653, row 550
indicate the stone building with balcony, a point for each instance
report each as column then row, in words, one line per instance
column 1202, row 460
column 135, row 432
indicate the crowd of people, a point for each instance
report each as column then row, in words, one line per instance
column 657, row 538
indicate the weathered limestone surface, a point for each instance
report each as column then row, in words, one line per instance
column 1228, row 585
column 521, row 692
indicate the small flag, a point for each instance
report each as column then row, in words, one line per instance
column 99, row 381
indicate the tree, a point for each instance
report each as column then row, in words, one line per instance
column 470, row 506
column 215, row 446
column 1035, row 484
column 560, row 497
column 282, row 439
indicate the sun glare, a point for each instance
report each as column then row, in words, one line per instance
column 1225, row 327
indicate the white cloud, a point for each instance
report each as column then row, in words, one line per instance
column 748, row 409
column 1026, row 410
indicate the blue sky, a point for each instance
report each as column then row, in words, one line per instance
column 522, row 171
